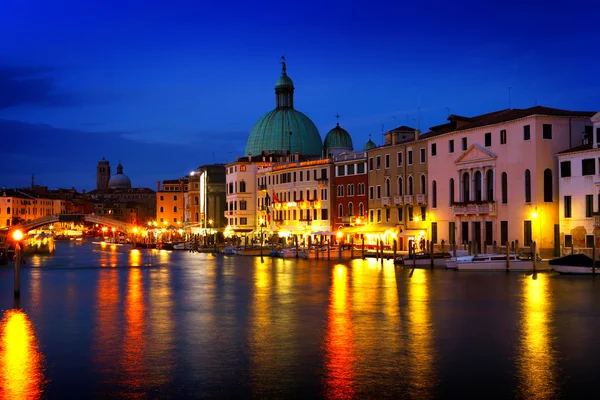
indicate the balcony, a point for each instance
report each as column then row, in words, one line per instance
column 597, row 221
column 385, row 201
column 421, row 198
column 472, row 208
column 350, row 219
column 262, row 187
column 398, row 200
column 408, row 199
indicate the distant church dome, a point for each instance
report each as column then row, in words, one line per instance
column 370, row 145
column 284, row 129
column 337, row 141
column 119, row 180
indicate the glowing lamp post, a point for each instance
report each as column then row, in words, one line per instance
column 262, row 223
column 17, row 237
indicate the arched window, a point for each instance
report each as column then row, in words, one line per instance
column 451, row 192
column 162, row 209
column 548, row 185
column 387, row 188
column 527, row 186
column 504, row 188
column 434, row 194
column 341, row 210
column 490, row 184
column 174, row 208
column 350, row 209
column 8, row 211
column 361, row 209
column 400, row 188
column 465, row 182
column 196, row 199
column 423, row 184
column 410, row 185
column 242, row 187
column 477, row 186
column 230, row 187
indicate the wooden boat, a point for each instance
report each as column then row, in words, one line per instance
column 573, row 264
column 423, row 260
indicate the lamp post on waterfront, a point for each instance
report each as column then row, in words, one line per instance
column 262, row 224
column 17, row 237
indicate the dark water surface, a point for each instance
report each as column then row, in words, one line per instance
column 119, row 323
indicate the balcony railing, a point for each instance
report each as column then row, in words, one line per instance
column 597, row 221
column 262, row 187
column 398, row 200
column 475, row 208
column 385, row 201
column 350, row 219
column 421, row 199
column 408, row 199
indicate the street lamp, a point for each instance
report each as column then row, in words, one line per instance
column 262, row 223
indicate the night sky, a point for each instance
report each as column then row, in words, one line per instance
column 167, row 86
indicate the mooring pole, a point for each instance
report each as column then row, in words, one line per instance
column 533, row 255
column 18, row 260
column 507, row 258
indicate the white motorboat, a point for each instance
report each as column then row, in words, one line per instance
column 183, row 246
column 290, row 252
column 574, row 264
column 497, row 262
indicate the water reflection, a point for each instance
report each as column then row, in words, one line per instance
column 21, row 372
column 133, row 362
column 340, row 351
column 108, row 255
column 536, row 361
column 420, row 336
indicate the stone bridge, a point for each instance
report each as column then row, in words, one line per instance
column 50, row 219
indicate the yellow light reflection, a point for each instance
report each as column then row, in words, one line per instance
column 421, row 334
column 135, row 258
column 134, row 345
column 340, row 352
column 536, row 358
column 21, row 374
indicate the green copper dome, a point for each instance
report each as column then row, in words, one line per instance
column 338, row 140
column 284, row 129
column 272, row 133
column 369, row 145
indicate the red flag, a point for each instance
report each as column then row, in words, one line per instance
column 275, row 199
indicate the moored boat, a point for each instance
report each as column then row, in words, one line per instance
column 497, row 262
column 573, row 264
column 424, row 260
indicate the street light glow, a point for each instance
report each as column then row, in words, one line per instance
column 18, row 235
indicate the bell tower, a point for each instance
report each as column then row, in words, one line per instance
column 102, row 174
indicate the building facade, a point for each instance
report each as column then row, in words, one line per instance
column 492, row 175
column 170, row 202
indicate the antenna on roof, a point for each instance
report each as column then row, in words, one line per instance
column 509, row 97
column 448, row 109
column 419, row 114
column 382, row 135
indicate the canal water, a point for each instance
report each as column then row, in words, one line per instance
column 102, row 322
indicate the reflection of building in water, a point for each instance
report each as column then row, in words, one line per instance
column 340, row 352
column 420, row 336
column 161, row 329
column 21, row 375
column 133, row 360
column 108, row 338
column 536, row 360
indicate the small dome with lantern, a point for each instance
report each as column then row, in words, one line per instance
column 119, row 180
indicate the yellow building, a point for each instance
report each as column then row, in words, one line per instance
column 21, row 205
column 170, row 202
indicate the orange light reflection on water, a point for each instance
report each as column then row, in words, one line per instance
column 339, row 339
column 134, row 345
column 21, row 372
column 421, row 334
column 536, row 357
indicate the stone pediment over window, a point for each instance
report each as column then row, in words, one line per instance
column 476, row 156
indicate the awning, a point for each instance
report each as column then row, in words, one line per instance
column 372, row 229
column 243, row 230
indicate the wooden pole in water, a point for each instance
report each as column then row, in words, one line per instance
column 507, row 257
column 533, row 255
column 352, row 246
column 381, row 251
column 363, row 246
column 18, row 260
column 296, row 242
column 395, row 246
column 431, row 254
column 340, row 246
column 454, row 248
column 414, row 253
column 329, row 247
column 594, row 257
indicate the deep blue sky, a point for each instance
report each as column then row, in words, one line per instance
column 167, row 86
